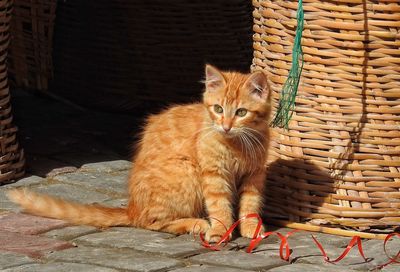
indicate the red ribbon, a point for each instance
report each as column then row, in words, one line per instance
column 285, row 248
column 353, row 241
column 396, row 258
column 225, row 237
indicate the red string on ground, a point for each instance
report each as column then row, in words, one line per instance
column 284, row 249
column 396, row 258
column 353, row 241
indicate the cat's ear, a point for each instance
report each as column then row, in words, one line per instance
column 258, row 85
column 214, row 79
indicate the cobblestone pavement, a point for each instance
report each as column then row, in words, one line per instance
column 29, row 243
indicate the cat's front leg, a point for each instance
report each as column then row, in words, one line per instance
column 251, row 198
column 218, row 201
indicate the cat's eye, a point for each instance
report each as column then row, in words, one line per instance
column 241, row 112
column 218, row 109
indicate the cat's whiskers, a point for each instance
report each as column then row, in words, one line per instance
column 254, row 157
column 250, row 147
column 255, row 131
column 243, row 149
column 252, row 141
column 248, row 132
column 243, row 146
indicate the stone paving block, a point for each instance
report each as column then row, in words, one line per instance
column 60, row 267
column 140, row 234
column 307, row 253
column 118, row 203
column 304, row 249
column 237, row 259
column 25, row 182
column 353, row 260
column 264, row 247
column 171, row 247
column 391, row 268
column 61, row 170
column 72, row 193
column 311, row 268
column 31, row 245
column 107, row 167
column 6, row 204
column 305, row 238
column 299, row 240
column 143, row 240
column 301, row 236
column 29, row 224
column 70, row 233
column 271, row 243
column 243, row 242
column 372, row 249
column 99, row 181
column 11, row 259
column 270, row 252
column 208, row 268
column 115, row 258
column 195, row 239
column 375, row 249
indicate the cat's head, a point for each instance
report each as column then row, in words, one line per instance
column 236, row 101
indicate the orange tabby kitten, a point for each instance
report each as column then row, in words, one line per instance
column 193, row 160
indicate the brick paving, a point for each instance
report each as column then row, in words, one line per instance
column 28, row 224
column 30, row 243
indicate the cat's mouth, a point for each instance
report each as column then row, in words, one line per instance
column 232, row 133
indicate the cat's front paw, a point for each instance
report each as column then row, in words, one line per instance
column 200, row 226
column 248, row 229
column 214, row 234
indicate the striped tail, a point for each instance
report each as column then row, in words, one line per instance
column 75, row 213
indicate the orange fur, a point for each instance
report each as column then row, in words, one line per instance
column 192, row 161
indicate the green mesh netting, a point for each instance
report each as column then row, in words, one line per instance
column 288, row 95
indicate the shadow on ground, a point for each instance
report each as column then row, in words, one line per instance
column 54, row 134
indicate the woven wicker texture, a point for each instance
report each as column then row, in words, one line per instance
column 32, row 27
column 338, row 164
column 124, row 55
column 11, row 156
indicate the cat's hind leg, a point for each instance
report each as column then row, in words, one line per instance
column 182, row 226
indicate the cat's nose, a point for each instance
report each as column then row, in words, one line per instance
column 226, row 128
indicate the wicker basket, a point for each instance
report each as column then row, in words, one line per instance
column 32, row 26
column 11, row 157
column 338, row 164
